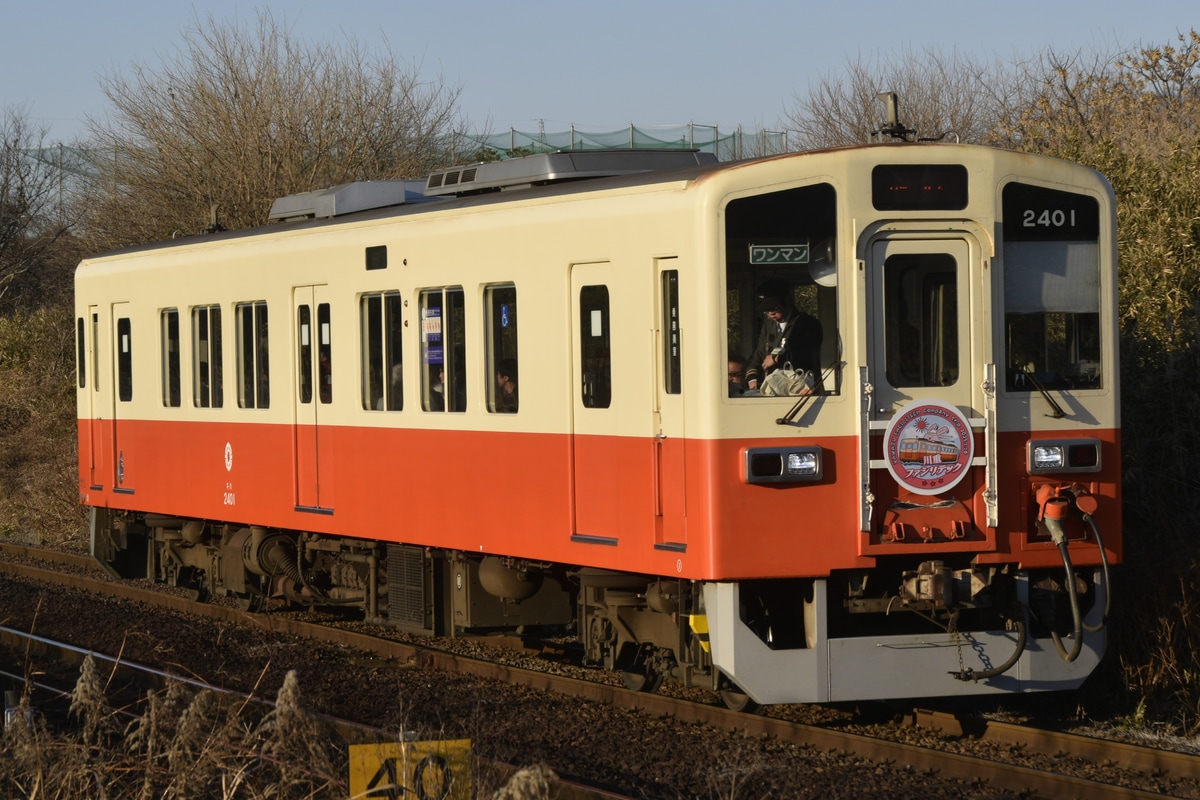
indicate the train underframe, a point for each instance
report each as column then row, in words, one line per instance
column 908, row 628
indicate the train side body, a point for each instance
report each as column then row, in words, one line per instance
column 329, row 390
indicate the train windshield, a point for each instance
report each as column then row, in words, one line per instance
column 1051, row 289
column 781, row 290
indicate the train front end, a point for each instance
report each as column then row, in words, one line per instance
column 935, row 509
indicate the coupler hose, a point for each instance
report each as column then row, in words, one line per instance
column 1054, row 509
column 1107, row 583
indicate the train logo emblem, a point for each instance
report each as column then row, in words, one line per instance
column 929, row 446
column 228, row 456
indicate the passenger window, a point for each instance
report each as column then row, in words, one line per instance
column 500, row 308
column 382, row 372
column 595, row 348
column 170, row 358
column 207, row 372
column 443, row 350
column 124, row 361
column 254, row 387
column 781, row 288
column 670, row 331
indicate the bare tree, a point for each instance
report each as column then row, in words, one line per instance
column 939, row 95
column 241, row 116
column 31, row 219
column 1139, row 103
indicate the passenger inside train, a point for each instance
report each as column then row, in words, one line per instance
column 788, row 337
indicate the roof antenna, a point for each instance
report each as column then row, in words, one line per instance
column 892, row 126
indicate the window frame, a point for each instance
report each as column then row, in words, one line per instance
column 443, row 348
column 208, row 368
column 502, row 345
column 253, row 349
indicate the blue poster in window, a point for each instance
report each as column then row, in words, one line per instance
column 431, row 336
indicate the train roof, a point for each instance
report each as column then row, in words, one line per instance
column 545, row 174
column 563, row 173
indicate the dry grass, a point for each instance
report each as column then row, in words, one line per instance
column 189, row 744
column 184, row 745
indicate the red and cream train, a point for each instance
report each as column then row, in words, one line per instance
column 311, row 410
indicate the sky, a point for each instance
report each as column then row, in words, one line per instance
column 597, row 66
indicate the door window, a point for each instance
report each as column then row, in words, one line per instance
column 595, row 350
column 921, row 319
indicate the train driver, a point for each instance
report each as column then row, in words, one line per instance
column 787, row 336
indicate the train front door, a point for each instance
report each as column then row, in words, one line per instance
column 312, row 352
column 925, row 368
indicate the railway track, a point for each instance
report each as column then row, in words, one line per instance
column 1024, row 761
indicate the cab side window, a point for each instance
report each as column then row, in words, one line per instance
column 80, row 352
column 672, row 366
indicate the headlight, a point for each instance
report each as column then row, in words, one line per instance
column 1047, row 456
column 782, row 464
column 803, row 464
column 1064, row 455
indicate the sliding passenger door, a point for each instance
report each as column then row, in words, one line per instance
column 595, row 451
column 312, row 351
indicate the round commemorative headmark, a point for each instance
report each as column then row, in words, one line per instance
column 928, row 446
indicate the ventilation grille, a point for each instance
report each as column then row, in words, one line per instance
column 406, row 586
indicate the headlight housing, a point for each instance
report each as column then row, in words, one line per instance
column 1046, row 456
column 782, row 464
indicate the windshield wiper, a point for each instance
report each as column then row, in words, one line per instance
column 1037, row 384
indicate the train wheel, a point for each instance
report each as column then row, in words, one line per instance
column 733, row 698
column 643, row 680
column 252, row 603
